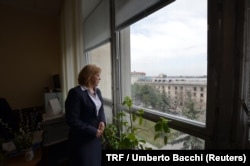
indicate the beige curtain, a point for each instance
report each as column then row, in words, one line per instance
column 71, row 42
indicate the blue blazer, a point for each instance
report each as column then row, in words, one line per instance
column 84, row 147
column 80, row 113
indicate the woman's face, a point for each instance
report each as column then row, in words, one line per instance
column 96, row 79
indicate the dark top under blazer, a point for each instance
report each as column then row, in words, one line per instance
column 80, row 114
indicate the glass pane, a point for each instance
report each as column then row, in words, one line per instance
column 108, row 114
column 101, row 57
column 176, row 139
column 183, row 141
column 169, row 60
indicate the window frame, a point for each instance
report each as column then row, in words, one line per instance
column 246, row 75
column 214, row 130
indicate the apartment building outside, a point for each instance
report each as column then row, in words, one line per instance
column 179, row 90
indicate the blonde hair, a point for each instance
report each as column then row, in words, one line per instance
column 87, row 72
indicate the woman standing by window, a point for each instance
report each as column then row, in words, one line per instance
column 86, row 119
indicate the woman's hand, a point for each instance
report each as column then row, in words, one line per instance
column 99, row 133
column 100, row 130
column 101, row 126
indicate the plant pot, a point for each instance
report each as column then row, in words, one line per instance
column 28, row 154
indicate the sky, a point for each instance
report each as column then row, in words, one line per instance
column 171, row 41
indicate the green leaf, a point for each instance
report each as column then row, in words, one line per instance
column 158, row 126
column 131, row 137
column 140, row 112
column 142, row 141
column 148, row 148
column 121, row 114
column 166, row 128
column 127, row 102
column 125, row 123
column 157, row 135
column 165, row 140
column 140, row 121
column 133, row 117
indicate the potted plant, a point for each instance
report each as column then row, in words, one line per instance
column 23, row 137
column 123, row 133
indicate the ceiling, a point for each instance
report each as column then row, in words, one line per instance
column 49, row 7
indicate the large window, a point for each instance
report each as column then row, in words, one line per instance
column 169, row 60
column 101, row 57
column 166, row 58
